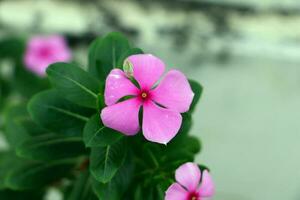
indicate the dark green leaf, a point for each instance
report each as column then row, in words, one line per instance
column 21, row 195
column 115, row 189
column 11, row 47
column 105, row 53
column 197, row 89
column 26, row 82
column 93, row 61
column 51, row 147
column 56, row 114
column 7, row 160
column 106, row 161
column 30, row 175
column 82, row 188
column 74, row 84
column 96, row 134
column 15, row 133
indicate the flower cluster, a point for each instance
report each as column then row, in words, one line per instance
column 75, row 126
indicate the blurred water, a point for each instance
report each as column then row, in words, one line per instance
column 248, row 120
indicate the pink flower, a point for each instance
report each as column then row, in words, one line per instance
column 42, row 51
column 188, row 186
column 162, row 104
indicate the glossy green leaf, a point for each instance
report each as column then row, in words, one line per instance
column 82, row 188
column 96, row 134
column 51, row 111
column 74, row 84
column 197, row 89
column 31, row 175
column 106, row 161
column 117, row 187
column 105, row 53
column 51, row 147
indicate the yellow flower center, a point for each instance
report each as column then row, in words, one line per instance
column 144, row 95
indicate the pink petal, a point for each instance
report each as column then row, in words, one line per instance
column 207, row 188
column 147, row 69
column 117, row 86
column 56, row 48
column 174, row 92
column 176, row 192
column 123, row 116
column 159, row 124
column 59, row 45
column 188, row 175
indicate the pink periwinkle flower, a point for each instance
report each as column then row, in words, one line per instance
column 189, row 186
column 162, row 103
column 42, row 51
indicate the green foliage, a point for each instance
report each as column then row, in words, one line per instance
column 107, row 53
column 197, row 89
column 96, row 134
column 49, row 147
column 74, row 84
column 57, row 139
column 119, row 184
column 31, row 175
column 51, row 111
column 82, row 188
column 21, row 195
column 106, row 161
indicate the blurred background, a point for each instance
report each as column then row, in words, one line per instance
column 246, row 54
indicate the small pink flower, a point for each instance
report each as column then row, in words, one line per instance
column 42, row 51
column 188, row 186
column 162, row 104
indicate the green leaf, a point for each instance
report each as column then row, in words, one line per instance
column 7, row 160
column 11, row 47
column 74, row 84
column 115, row 189
column 82, row 188
column 105, row 53
column 31, row 175
column 197, row 89
column 14, row 131
column 21, row 195
column 51, row 147
column 26, row 82
column 96, row 134
column 106, row 161
column 51, row 111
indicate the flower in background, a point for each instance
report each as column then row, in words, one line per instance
column 189, row 186
column 42, row 51
column 161, row 103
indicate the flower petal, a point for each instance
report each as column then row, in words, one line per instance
column 117, row 86
column 207, row 188
column 188, row 175
column 147, row 69
column 176, row 192
column 174, row 92
column 123, row 116
column 159, row 124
